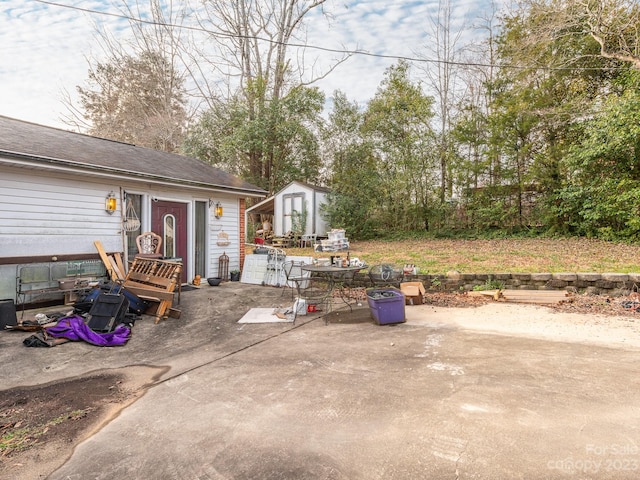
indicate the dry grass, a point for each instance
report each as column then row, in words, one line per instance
column 498, row 256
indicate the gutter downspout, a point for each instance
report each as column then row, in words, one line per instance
column 313, row 212
column 123, row 235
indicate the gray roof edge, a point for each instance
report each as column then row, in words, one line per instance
column 316, row 188
column 258, row 192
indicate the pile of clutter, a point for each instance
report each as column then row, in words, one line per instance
column 104, row 317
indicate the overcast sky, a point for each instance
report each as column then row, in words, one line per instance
column 43, row 48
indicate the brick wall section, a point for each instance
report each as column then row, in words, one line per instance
column 612, row 284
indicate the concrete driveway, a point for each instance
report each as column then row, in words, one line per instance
column 496, row 392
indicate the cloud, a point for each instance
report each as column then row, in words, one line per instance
column 389, row 28
column 45, row 48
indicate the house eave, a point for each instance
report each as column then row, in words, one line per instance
column 60, row 165
column 265, row 207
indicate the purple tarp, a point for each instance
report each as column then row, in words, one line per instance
column 74, row 328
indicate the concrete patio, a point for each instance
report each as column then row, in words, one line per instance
column 500, row 391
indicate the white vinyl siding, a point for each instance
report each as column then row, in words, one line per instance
column 290, row 198
column 44, row 214
column 321, row 227
column 229, row 224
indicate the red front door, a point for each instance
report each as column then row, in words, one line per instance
column 169, row 220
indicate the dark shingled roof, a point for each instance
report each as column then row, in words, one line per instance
column 46, row 145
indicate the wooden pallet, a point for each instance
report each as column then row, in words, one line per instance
column 155, row 281
column 151, row 279
column 495, row 294
column 535, row 296
column 540, row 297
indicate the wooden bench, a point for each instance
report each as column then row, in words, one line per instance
column 155, row 281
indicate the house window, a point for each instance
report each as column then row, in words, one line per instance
column 169, row 240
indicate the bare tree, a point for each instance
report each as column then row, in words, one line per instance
column 250, row 55
column 252, row 41
column 137, row 92
column 612, row 24
column 442, row 76
column 476, row 101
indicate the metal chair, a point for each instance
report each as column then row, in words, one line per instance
column 343, row 285
column 385, row 275
column 294, row 275
column 308, row 240
column 316, row 291
column 275, row 259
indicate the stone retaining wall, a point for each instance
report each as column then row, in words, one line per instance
column 613, row 284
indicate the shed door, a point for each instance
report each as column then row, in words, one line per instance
column 290, row 203
column 169, row 220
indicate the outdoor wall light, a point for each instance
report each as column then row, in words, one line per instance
column 217, row 207
column 110, row 203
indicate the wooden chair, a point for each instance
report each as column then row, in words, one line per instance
column 149, row 245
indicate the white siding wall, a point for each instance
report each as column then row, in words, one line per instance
column 321, row 225
column 278, row 218
column 53, row 215
column 278, row 208
column 45, row 214
column 229, row 223
column 313, row 209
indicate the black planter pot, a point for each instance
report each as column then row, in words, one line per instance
column 235, row 277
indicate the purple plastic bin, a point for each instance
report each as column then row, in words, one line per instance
column 386, row 305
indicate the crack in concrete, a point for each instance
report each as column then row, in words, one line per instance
column 462, row 452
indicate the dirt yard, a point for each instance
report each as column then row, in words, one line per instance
column 40, row 426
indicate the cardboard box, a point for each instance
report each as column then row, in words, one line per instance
column 413, row 292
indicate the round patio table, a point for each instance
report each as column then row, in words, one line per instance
column 337, row 277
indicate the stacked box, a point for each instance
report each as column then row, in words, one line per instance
column 386, row 305
column 334, row 245
column 413, row 292
column 336, row 242
column 336, row 234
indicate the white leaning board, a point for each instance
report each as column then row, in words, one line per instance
column 264, row 315
column 255, row 269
